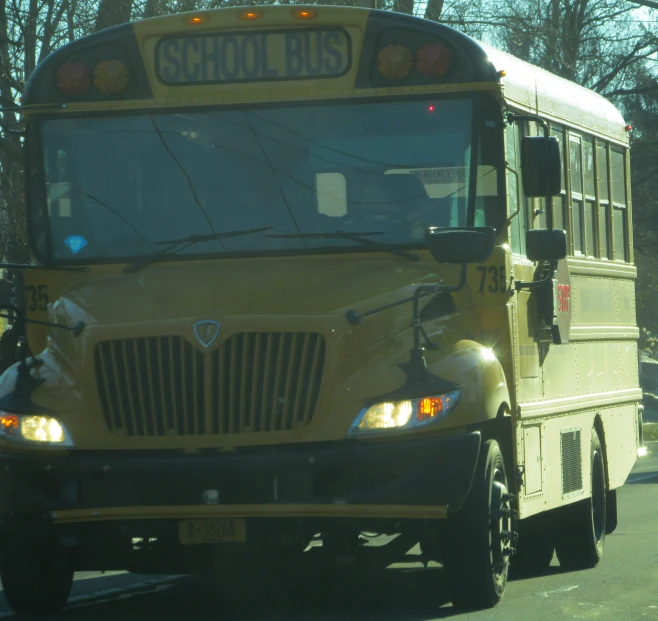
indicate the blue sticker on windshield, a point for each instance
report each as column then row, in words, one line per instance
column 75, row 243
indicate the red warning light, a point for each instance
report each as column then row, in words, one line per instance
column 431, row 108
column 628, row 128
column 433, row 60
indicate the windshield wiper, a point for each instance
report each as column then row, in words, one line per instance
column 361, row 238
column 174, row 246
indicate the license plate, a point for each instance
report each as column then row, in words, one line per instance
column 212, row 531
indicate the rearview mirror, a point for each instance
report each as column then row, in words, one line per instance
column 545, row 245
column 461, row 245
column 541, row 167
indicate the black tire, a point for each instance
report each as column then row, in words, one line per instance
column 535, row 547
column 581, row 537
column 36, row 575
column 476, row 541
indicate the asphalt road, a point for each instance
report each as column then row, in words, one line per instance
column 623, row 588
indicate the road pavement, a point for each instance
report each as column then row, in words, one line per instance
column 623, row 588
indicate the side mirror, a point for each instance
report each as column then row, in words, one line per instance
column 467, row 245
column 545, row 245
column 541, row 167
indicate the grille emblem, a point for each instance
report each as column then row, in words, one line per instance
column 206, row 331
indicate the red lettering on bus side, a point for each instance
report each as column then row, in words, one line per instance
column 563, row 295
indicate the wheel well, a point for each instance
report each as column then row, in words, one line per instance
column 598, row 425
column 500, row 429
column 611, row 504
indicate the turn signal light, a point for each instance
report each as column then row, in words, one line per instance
column 433, row 60
column 111, row 77
column 73, row 78
column 9, row 423
column 395, row 62
column 429, row 407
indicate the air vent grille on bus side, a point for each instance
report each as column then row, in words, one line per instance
column 572, row 467
column 253, row 382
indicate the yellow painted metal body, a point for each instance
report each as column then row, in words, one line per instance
column 490, row 344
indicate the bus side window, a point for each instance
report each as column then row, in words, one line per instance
column 576, row 179
column 559, row 202
column 331, row 191
column 604, row 198
column 590, row 198
column 619, row 211
column 515, row 201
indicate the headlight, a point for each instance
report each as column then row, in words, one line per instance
column 34, row 430
column 408, row 414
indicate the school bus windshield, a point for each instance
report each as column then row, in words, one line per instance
column 115, row 186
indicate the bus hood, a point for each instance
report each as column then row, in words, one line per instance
column 268, row 295
column 208, row 329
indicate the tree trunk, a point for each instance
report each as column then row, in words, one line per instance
column 434, row 9
column 12, row 242
column 30, row 39
column 113, row 13
column 404, row 6
column 154, row 8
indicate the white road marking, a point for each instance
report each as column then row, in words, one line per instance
column 565, row 589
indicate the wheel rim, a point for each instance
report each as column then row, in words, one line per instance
column 501, row 523
column 598, row 497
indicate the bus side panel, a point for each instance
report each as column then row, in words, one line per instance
column 595, row 374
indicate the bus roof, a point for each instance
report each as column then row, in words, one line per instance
column 541, row 92
column 524, row 85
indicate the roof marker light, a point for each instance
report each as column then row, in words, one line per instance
column 250, row 15
column 304, row 13
column 196, row 20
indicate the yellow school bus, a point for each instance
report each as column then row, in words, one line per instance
column 305, row 272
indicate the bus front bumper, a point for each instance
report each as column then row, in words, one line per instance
column 424, row 478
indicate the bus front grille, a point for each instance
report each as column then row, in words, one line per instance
column 253, row 382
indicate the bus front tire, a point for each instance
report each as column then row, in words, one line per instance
column 37, row 575
column 476, row 541
column 579, row 544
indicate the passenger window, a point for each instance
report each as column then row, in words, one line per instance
column 331, row 190
column 559, row 201
column 576, row 178
column 515, row 202
column 591, row 245
column 619, row 211
column 604, row 199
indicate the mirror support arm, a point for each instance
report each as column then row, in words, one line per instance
column 355, row 318
column 536, row 284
